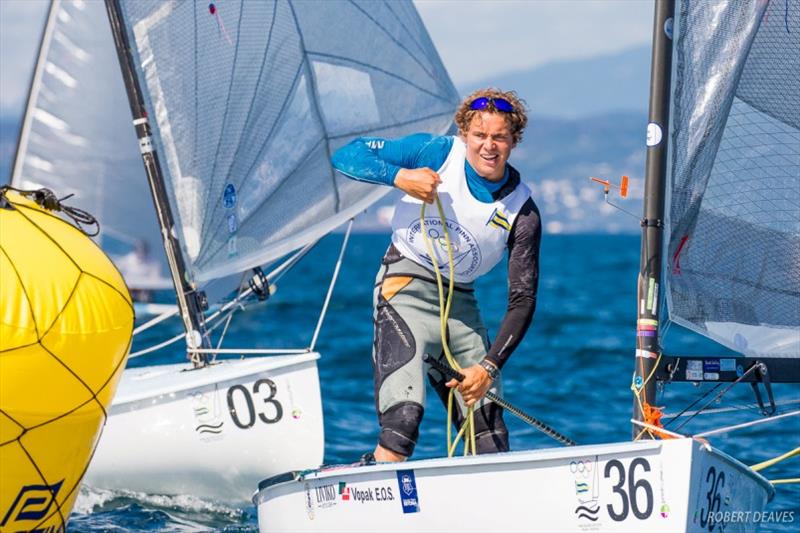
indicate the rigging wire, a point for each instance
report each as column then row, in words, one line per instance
column 158, row 319
column 697, row 400
column 275, row 275
column 743, row 425
column 756, row 467
column 330, row 287
column 224, row 331
column 155, row 347
column 718, row 410
column 720, row 395
column 253, row 287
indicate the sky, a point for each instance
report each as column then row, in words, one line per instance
column 476, row 39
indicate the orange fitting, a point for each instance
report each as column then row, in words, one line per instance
column 623, row 188
column 652, row 415
column 606, row 185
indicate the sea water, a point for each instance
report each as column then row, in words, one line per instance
column 573, row 371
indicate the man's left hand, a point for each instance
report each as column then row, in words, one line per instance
column 475, row 384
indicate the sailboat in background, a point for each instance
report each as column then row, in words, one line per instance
column 237, row 107
column 732, row 274
column 76, row 139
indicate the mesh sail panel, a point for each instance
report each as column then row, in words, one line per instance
column 78, row 139
column 734, row 213
column 249, row 99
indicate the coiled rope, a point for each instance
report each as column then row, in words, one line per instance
column 467, row 431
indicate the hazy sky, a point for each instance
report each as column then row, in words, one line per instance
column 479, row 38
column 476, row 39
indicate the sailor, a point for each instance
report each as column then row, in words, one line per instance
column 488, row 210
column 140, row 270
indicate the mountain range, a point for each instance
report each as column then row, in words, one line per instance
column 587, row 118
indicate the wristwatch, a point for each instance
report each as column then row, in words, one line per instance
column 493, row 371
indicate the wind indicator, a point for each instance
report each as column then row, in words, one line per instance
column 623, row 192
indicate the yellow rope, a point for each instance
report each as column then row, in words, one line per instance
column 444, row 313
column 775, row 460
column 785, row 481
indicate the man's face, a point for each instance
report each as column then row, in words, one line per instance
column 489, row 143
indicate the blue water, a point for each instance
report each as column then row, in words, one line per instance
column 573, row 371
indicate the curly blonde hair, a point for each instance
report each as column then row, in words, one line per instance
column 517, row 119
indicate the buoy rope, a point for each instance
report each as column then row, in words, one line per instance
column 467, row 430
column 47, row 199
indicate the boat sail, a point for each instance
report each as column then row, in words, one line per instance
column 244, row 101
column 734, row 169
column 734, row 228
column 76, row 139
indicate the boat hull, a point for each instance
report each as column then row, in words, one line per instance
column 635, row 486
column 211, row 432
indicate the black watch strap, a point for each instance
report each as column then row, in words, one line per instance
column 493, row 371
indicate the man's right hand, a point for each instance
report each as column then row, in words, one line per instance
column 420, row 183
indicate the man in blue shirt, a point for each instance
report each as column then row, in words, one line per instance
column 488, row 211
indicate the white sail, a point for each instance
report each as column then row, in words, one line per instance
column 78, row 139
column 249, row 100
column 733, row 269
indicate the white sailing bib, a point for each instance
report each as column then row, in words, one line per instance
column 478, row 231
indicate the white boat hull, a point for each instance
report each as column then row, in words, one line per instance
column 211, row 432
column 676, row 485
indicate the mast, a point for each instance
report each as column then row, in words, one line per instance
column 33, row 90
column 648, row 348
column 190, row 301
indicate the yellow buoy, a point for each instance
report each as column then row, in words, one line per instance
column 66, row 320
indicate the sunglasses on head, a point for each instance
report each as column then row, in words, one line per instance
column 501, row 104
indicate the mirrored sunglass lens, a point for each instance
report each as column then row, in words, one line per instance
column 479, row 103
column 503, row 105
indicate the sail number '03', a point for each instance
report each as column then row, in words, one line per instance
column 630, row 500
column 250, row 420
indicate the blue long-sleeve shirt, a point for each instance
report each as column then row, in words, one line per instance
column 377, row 160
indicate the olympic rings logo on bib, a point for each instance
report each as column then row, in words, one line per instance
column 466, row 253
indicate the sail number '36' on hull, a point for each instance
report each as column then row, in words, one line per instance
column 672, row 485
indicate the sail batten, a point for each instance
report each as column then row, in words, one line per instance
column 734, row 188
column 272, row 90
column 377, row 68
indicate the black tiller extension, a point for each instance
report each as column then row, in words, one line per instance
column 538, row 424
